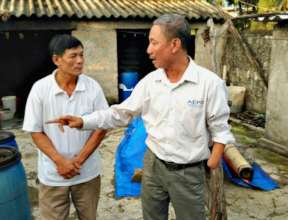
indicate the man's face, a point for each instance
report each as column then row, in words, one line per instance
column 160, row 48
column 71, row 62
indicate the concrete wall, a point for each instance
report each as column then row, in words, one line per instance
column 101, row 58
column 277, row 102
column 209, row 54
column 203, row 51
column 240, row 72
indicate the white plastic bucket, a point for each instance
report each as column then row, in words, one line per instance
column 237, row 162
column 9, row 102
column 236, row 94
column 9, row 107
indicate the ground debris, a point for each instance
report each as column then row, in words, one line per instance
column 252, row 118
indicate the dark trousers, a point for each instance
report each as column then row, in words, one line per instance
column 184, row 188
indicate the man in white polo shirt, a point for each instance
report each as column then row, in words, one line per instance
column 69, row 165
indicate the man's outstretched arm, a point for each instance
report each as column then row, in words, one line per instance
column 115, row 116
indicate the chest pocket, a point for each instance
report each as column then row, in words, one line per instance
column 85, row 106
column 85, row 109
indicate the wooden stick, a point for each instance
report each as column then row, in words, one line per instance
column 216, row 195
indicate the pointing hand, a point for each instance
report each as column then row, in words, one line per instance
column 68, row 120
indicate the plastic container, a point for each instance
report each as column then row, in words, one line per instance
column 127, row 82
column 237, row 162
column 6, row 114
column 7, row 138
column 9, row 102
column 14, row 200
column 9, row 107
column 236, row 96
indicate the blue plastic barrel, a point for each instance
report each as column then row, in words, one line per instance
column 127, row 82
column 7, row 138
column 14, row 200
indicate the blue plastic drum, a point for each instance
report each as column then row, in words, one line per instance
column 14, row 200
column 7, row 139
column 127, row 82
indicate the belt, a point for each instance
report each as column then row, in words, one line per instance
column 176, row 166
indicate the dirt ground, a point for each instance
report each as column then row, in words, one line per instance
column 242, row 203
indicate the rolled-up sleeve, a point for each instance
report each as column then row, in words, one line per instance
column 218, row 114
column 117, row 115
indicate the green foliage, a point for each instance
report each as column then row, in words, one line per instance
column 262, row 26
column 270, row 5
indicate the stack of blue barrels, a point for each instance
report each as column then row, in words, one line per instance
column 14, row 200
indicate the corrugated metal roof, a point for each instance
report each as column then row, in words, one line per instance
column 274, row 16
column 192, row 9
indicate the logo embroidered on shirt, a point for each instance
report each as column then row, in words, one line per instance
column 195, row 103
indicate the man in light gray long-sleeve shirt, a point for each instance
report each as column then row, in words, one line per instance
column 184, row 109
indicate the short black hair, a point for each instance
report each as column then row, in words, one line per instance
column 60, row 43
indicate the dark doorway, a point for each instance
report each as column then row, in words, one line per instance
column 132, row 56
column 24, row 59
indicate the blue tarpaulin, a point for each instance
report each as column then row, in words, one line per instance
column 130, row 154
column 260, row 179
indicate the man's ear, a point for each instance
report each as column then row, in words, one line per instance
column 176, row 45
column 56, row 59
